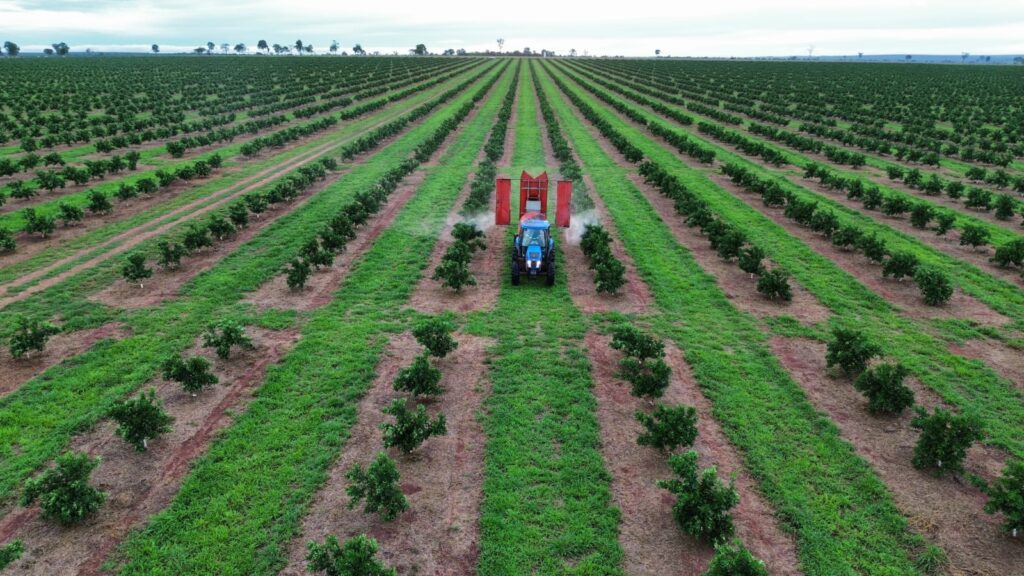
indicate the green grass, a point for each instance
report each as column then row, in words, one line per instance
column 844, row 520
column 243, row 501
column 37, row 420
column 547, row 504
column 965, row 383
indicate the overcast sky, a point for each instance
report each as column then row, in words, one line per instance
column 632, row 28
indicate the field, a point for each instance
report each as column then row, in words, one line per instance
column 756, row 213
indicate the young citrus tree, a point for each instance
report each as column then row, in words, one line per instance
column 297, row 274
column 419, row 378
column 435, row 334
column 170, row 254
column 141, row 419
column 702, row 501
column 934, row 285
column 355, row 558
column 668, row 428
column 850, row 350
column 1006, row 495
column 774, row 285
column 378, row 485
column 883, row 385
column 223, row 335
column 411, row 428
column 30, row 336
column 135, row 270
column 735, row 560
column 944, row 440
column 9, row 553
column 193, row 374
column 63, row 492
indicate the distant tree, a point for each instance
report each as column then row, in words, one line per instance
column 944, row 440
column 501, row 44
column 61, row 48
column 308, row 48
column 657, row 52
column 30, row 336
column 48, row 51
column 358, row 49
column 155, row 48
column 411, row 428
column 850, row 350
column 224, row 47
column 262, row 45
column 240, row 48
column 141, row 419
column 64, row 492
column 135, row 270
column 420, row 50
column 209, row 47
column 356, row 558
column 199, row 50
column 193, row 374
column 299, row 46
column 448, row 52
column 435, row 334
column 378, row 485
column 334, row 47
column 572, row 52
column 702, row 502
column 12, row 49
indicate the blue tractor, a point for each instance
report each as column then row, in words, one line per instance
column 533, row 252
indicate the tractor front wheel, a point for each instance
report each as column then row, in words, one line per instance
column 515, row 273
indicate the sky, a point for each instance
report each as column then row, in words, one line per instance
column 723, row 28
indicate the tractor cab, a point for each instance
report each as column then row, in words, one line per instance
column 533, row 252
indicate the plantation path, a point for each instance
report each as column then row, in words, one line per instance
column 904, row 295
column 651, row 540
column 139, row 484
column 510, row 135
column 15, row 372
column 945, row 510
column 442, row 480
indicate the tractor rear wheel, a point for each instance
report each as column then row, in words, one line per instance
column 551, row 273
column 515, row 273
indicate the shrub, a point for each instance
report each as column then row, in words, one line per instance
column 356, row 558
column 70, row 213
column 774, row 285
column 668, row 428
column 141, row 419
column 193, row 374
column 850, row 350
column 30, row 336
column 378, row 485
column 632, row 342
column 297, row 274
column 7, row 243
column 1006, row 495
column 944, row 222
column 974, row 235
column 9, row 553
column 435, row 334
column 64, row 492
column 944, row 440
column 884, row 388
column 934, row 285
column 702, row 503
column 135, row 270
column 751, row 260
column 470, row 235
column 221, row 336
column 410, row 428
column 419, row 378
column 900, row 265
column 735, row 560
column 170, row 254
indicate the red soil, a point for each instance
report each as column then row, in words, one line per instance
column 1006, row 361
column 439, row 533
column 946, row 511
column 15, row 372
column 139, row 484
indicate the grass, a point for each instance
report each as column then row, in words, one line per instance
column 840, row 512
column 38, row 419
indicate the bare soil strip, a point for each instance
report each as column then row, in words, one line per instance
column 15, row 372
column 652, row 542
column 947, row 511
column 1006, row 361
column 139, row 484
column 439, row 534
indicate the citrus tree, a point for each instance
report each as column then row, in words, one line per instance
column 411, row 428
column 668, row 428
column 702, row 501
column 378, row 485
column 356, row 558
column 141, row 419
column 63, row 492
column 435, row 334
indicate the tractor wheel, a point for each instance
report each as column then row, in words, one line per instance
column 515, row 273
column 551, row 273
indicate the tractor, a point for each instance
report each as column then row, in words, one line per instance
column 533, row 250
